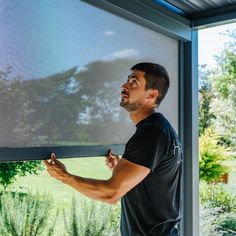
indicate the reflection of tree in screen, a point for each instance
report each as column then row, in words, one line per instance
column 68, row 108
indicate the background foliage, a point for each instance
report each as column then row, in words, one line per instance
column 9, row 171
column 212, row 154
column 26, row 214
column 221, row 92
column 217, row 141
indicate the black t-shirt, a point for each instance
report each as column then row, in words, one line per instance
column 152, row 208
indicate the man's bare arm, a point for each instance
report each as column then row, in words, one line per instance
column 125, row 176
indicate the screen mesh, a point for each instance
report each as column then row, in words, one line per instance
column 62, row 64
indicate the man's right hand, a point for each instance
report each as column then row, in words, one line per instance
column 111, row 160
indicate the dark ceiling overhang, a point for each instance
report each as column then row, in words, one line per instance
column 201, row 13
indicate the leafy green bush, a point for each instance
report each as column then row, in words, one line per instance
column 211, row 157
column 26, row 215
column 9, row 171
column 92, row 218
column 216, row 196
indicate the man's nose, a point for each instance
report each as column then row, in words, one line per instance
column 124, row 86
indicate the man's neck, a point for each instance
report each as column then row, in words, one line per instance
column 137, row 116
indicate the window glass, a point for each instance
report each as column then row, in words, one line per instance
column 62, row 64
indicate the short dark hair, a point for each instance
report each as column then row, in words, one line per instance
column 156, row 77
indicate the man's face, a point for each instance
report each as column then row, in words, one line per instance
column 134, row 94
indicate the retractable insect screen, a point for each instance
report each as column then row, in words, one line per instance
column 62, row 64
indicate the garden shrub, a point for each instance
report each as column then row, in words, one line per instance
column 218, row 196
column 211, row 157
column 88, row 218
column 26, row 215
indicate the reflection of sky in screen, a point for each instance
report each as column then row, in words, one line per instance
column 39, row 38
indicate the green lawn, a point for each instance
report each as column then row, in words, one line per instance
column 86, row 167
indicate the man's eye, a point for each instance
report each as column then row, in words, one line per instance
column 133, row 81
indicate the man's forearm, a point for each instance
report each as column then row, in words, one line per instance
column 101, row 190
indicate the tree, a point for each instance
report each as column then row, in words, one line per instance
column 212, row 154
column 223, row 81
column 217, row 111
column 15, row 109
column 9, row 171
column 206, row 117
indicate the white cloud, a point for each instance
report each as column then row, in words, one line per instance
column 109, row 33
column 126, row 53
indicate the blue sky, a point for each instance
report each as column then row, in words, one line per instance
column 211, row 43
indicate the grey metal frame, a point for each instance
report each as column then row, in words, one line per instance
column 189, row 134
column 42, row 153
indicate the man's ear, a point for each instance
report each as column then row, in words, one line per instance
column 153, row 94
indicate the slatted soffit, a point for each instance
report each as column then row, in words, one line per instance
column 202, row 12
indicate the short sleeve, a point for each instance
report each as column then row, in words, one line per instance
column 147, row 147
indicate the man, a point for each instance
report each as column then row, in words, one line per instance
column 147, row 178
